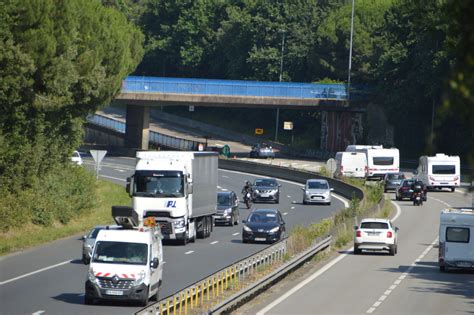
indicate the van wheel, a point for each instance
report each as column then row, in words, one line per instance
column 156, row 296
column 453, row 189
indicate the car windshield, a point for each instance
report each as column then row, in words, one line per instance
column 121, row 253
column 374, row 225
column 223, row 200
column 262, row 217
column 94, row 232
column 159, row 184
column 396, row 176
column 265, row 182
column 318, row 185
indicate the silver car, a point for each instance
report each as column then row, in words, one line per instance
column 88, row 242
column 266, row 189
column 317, row 191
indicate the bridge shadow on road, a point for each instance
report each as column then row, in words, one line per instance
column 454, row 282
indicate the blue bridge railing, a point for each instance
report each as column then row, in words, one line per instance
column 133, row 84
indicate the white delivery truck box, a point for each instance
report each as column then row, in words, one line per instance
column 350, row 164
column 456, row 239
column 440, row 171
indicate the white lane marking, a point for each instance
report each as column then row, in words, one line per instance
column 189, row 252
column 34, row 272
column 224, row 189
column 400, row 279
column 292, row 207
column 301, row 284
column 285, row 213
column 225, row 176
column 119, row 170
column 288, row 196
column 316, row 274
column 443, row 202
column 215, row 242
column 38, row 313
column 236, row 234
column 115, row 178
column 399, row 210
column 344, row 201
column 219, row 187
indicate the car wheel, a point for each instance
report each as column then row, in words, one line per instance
column 277, row 201
column 442, row 268
column 238, row 219
column 356, row 250
column 328, row 203
column 397, row 198
column 244, row 241
column 304, row 202
column 88, row 300
column 453, row 189
column 392, row 250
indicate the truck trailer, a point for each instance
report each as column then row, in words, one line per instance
column 178, row 189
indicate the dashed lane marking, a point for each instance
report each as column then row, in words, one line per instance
column 189, row 252
column 35, row 272
column 236, row 234
column 215, row 242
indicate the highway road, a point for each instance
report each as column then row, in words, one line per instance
column 374, row 283
column 50, row 279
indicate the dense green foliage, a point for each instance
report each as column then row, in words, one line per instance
column 59, row 62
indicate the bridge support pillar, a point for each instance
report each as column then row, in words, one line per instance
column 339, row 129
column 137, row 129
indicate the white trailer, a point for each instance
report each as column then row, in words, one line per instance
column 440, row 171
column 380, row 161
column 178, row 189
column 456, row 239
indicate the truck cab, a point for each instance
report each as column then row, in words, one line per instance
column 127, row 261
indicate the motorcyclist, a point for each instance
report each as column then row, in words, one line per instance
column 247, row 188
column 417, row 188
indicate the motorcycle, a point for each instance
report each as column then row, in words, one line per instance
column 417, row 199
column 248, row 199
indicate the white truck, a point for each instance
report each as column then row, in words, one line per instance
column 380, row 161
column 456, row 239
column 439, row 171
column 178, row 189
column 127, row 261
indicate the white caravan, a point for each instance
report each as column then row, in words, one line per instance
column 440, row 171
column 350, row 164
column 380, row 161
column 456, row 239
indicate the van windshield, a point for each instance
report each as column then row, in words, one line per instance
column 444, row 169
column 120, row 253
column 383, row 160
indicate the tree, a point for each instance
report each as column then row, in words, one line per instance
column 61, row 60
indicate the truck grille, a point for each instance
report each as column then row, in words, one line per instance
column 165, row 227
column 111, row 283
column 162, row 214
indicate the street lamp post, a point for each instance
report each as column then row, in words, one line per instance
column 281, row 78
column 350, row 52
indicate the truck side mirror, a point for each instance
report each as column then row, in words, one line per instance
column 129, row 185
column 155, row 263
column 190, row 188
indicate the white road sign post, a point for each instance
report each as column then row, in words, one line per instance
column 97, row 155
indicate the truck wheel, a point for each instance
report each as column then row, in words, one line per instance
column 209, row 226
column 200, row 228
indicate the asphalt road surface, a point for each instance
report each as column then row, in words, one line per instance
column 50, row 279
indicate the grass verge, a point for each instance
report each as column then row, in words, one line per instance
column 30, row 235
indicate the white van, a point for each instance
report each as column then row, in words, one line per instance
column 440, row 171
column 380, row 161
column 350, row 164
column 127, row 261
column 456, row 239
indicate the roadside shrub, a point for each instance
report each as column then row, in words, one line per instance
column 13, row 210
column 375, row 193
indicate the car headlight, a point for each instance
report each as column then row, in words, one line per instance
column 228, row 211
column 140, row 278
column 247, row 229
column 257, row 191
column 91, row 276
column 326, row 194
column 275, row 229
column 179, row 224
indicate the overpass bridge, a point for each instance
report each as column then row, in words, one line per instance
column 141, row 93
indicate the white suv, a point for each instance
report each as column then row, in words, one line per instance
column 375, row 234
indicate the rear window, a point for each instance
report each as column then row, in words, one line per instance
column 381, row 160
column 396, row 176
column 457, row 235
column 444, row 169
column 374, row 225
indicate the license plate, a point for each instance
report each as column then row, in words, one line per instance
column 373, row 233
column 444, row 183
column 264, row 195
column 260, row 239
column 113, row 292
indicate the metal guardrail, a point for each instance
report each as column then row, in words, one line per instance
column 134, row 84
column 214, row 285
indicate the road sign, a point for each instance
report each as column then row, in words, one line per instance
column 331, row 166
column 97, row 155
column 287, row 125
column 259, row 131
column 191, row 108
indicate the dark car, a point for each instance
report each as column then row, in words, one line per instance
column 263, row 225
column 88, row 242
column 405, row 189
column 262, row 150
column 227, row 208
column 392, row 181
column 266, row 189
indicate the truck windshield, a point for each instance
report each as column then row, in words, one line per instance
column 159, row 184
column 121, row 253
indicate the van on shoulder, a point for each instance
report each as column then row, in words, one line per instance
column 350, row 164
